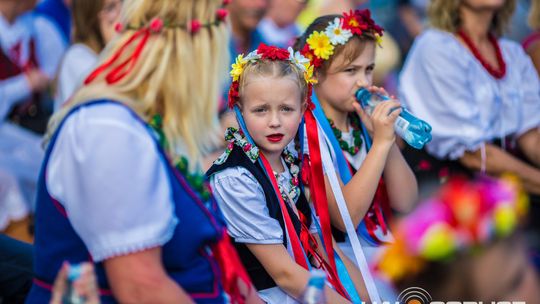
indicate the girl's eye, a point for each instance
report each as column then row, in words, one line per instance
column 287, row 109
column 370, row 68
column 259, row 110
column 350, row 70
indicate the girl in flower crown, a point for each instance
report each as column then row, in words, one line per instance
column 257, row 184
column 121, row 185
column 372, row 173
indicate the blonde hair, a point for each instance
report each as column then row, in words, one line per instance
column 179, row 74
column 445, row 15
column 534, row 15
column 273, row 68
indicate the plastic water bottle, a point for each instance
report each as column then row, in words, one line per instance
column 413, row 130
column 71, row 296
column 314, row 292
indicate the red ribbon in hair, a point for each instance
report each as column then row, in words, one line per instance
column 119, row 71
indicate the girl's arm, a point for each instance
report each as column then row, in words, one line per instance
column 140, row 278
column 400, row 181
column 288, row 275
column 360, row 190
column 498, row 161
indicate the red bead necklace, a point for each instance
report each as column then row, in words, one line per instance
column 497, row 73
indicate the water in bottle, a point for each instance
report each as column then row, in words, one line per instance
column 414, row 131
column 71, row 296
column 314, row 292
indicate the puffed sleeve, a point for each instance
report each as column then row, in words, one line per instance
column 435, row 87
column 106, row 171
column 243, row 204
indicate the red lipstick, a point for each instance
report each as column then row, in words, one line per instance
column 275, row 138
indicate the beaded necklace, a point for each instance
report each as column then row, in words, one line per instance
column 356, row 134
column 196, row 180
column 497, row 73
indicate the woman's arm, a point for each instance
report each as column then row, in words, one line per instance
column 498, row 161
column 140, row 278
column 534, row 52
column 288, row 275
column 400, row 181
column 529, row 143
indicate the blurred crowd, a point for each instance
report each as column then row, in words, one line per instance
column 481, row 124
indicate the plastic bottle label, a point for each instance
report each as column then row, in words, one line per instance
column 401, row 124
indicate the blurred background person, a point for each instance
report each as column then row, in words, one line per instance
column 531, row 44
column 93, row 28
column 15, row 270
column 57, row 11
column 478, row 91
column 279, row 27
column 30, row 50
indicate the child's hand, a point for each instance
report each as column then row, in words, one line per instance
column 85, row 285
column 380, row 124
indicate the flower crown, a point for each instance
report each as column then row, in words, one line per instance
column 463, row 216
column 320, row 45
column 269, row 53
column 156, row 25
column 140, row 37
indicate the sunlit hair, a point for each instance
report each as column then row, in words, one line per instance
column 445, row 15
column 85, row 19
column 272, row 69
column 179, row 75
column 351, row 50
column 534, row 15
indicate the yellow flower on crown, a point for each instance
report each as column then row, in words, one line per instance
column 319, row 42
column 238, row 67
column 308, row 74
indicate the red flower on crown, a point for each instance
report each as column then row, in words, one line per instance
column 272, row 52
column 308, row 53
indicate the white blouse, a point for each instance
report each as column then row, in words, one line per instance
column 105, row 170
column 76, row 65
column 243, row 204
column 444, row 84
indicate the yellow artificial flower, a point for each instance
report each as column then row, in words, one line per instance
column 378, row 40
column 308, row 74
column 238, row 67
column 438, row 242
column 319, row 42
column 505, row 219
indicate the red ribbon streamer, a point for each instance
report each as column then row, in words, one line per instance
column 318, row 190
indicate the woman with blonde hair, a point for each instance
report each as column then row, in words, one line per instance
column 93, row 28
column 532, row 42
column 478, row 91
column 121, row 185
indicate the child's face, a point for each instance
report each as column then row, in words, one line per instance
column 272, row 109
column 336, row 89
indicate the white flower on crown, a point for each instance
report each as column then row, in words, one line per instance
column 252, row 56
column 298, row 59
column 336, row 32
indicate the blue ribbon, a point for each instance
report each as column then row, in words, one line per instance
column 343, row 166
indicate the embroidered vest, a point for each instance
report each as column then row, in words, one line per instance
column 260, row 278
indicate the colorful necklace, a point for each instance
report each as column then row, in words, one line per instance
column 498, row 74
column 294, row 183
column 196, row 180
column 356, row 134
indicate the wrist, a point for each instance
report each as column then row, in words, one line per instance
column 382, row 145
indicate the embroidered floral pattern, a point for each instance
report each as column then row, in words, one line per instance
column 236, row 137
